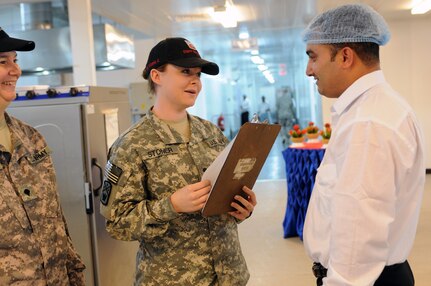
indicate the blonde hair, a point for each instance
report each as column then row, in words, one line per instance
column 151, row 84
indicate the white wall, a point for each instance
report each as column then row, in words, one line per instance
column 406, row 62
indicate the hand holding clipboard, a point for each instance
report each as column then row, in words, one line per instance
column 238, row 165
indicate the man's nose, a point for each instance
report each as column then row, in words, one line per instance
column 308, row 70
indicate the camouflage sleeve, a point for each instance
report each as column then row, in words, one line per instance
column 74, row 264
column 130, row 213
column 76, row 278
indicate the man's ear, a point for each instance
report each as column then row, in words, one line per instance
column 347, row 56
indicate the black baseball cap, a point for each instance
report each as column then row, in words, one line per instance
column 179, row 52
column 8, row 44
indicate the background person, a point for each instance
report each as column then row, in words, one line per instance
column 245, row 109
column 153, row 191
column 35, row 245
column 363, row 213
column 285, row 112
column 264, row 111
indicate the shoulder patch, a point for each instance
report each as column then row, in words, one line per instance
column 39, row 155
column 213, row 142
column 106, row 192
column 113, row 173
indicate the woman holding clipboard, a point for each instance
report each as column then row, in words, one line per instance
column 153, row 191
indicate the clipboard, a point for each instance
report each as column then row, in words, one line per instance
column 238, row 165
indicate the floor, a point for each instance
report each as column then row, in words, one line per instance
column 274, row 168
column 273, row 260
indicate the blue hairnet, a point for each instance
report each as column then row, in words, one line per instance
column 355, row 23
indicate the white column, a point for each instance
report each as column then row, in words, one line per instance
column 81, row 34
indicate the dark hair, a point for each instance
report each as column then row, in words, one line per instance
column 151, row 84
column 367, row 52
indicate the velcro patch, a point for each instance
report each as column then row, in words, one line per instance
column 106, row 192
column 39, row 155
column 215, row 142
column 113, row 173
column 161, row 152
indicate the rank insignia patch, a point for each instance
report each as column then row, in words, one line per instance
column 106, row 192
column 113, row 173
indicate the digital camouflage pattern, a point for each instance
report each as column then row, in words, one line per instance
column 175, row 249
column 35, row 248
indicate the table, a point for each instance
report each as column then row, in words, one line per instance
column 301, row 167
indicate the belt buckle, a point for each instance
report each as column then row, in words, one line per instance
column 318, row 270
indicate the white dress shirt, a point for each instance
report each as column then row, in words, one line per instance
column 365, row 204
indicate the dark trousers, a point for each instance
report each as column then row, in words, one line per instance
column 244, row 117
column 394, row 275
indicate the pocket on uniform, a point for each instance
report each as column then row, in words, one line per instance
column 326, row 177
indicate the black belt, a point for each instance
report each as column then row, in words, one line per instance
column 396, row 274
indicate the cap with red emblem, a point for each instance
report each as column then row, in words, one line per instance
column 8, row 44
column 179, row 52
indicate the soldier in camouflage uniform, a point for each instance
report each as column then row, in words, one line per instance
column 153, row 191
column 35, row 248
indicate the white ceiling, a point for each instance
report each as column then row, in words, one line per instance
column 275, row 24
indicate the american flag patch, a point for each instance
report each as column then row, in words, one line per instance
column 113, row 173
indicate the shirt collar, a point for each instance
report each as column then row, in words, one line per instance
column 21, row 145
column 354, row 91
column 198, row 131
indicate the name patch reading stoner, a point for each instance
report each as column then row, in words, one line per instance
column 162, row 151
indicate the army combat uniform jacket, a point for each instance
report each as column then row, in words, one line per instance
column 147, row 164
column 35, row 248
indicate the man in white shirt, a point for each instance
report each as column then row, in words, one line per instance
column 363, row 213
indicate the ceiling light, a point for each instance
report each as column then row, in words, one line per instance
column 225, row 15
column 421, row 6
column 246, row 44
column 257, row 60
column 262, row 67
column 243, row 33
column 254, row 52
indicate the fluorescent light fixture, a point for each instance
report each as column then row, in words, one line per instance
column 257, row 60
column 254, row 52
column 225, row 15
column 241, row 44
column 244, row 45
column 243, row 33
column 262, row 67
column 420, row 6
column 269, row 78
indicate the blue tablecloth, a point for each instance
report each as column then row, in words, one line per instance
column 301, row 168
